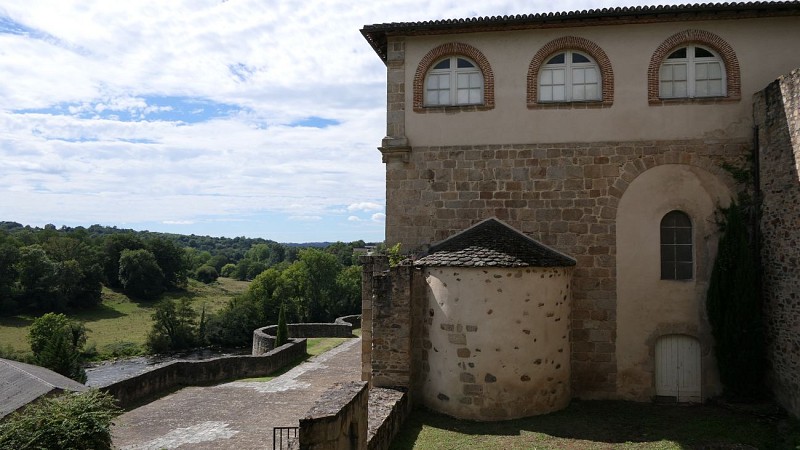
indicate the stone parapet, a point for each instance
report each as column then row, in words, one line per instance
column 338, row 420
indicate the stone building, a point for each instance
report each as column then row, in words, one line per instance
column 612, row 137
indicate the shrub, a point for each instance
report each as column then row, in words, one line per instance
column 206, row 274
column 69, row 421
column 228, row 270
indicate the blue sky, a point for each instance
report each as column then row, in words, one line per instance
column 228, row 118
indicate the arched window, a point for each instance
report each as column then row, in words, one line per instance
column 677, row 255
column 452, row 81
column 570, row 76
column 690, row 72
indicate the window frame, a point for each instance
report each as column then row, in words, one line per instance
column 453, row 73
column 569, row 67
column 674, row 240
column 691, row 62
column 703, row 38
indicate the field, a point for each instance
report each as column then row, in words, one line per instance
column 119, row 326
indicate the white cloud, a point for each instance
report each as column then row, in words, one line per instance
column 353, row 219
column 365, row 206
column 90, row 69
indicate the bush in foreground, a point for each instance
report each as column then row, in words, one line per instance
column 73, row 421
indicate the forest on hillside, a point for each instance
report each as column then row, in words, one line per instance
column 53, row 269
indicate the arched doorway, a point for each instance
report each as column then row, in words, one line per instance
column 678, row 368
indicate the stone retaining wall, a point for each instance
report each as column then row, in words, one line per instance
column 264, row 337
column 189, row 373
column 388, row 410
column 776, row 112
column 338, row 420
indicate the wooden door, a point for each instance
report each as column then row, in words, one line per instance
column 678, row 373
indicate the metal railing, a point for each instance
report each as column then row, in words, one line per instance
column 284, row 437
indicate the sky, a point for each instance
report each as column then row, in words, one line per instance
column 256, row 118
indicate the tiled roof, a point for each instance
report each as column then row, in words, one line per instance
column 377, row 34
column 22, row 383
column 492, row 243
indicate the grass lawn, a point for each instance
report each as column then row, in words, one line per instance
column 605, row 425
column 119, row 326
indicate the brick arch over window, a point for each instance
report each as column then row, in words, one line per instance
column 633, row 169
column 454, row 49
column 704, row 38
column 571, row 43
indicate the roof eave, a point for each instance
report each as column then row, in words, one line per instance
column 377, row 34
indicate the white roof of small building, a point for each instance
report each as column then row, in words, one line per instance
column 22, row 383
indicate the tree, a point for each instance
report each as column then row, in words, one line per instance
column 734, row 309
column 282, row 336
column 140, row 274
column 38, row 280
column 233, row 325
column 9, row 256
column 174, row 327
column 348, row 292
column 262, row 290
column 115, row 244
column 172, row 261
column 228, row 270
column 56, row 342
column 68, row 421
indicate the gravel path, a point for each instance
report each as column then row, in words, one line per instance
column 239, row 414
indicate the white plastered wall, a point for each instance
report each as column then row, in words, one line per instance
column 648, row 307
column 765, row 48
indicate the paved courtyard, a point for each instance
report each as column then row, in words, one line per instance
column 239, row 414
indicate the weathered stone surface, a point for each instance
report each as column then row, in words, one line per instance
column 777, row 114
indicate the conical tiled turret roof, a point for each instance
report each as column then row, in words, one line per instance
column 492, row 243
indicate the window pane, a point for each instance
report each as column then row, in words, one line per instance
column 463, row 63
column 679, row 89
column 683, row 271
column 679, row 219
column 701, row 88
column 442, row 64
column 558, row 76
column 680, row 72
column 683, row 253
column 667, row 270
column 559, row 93
column 558, row 59
column 578, row 58
column 592, row 92
column 547, row 76
column 683, row 235
column 591, row 75
column 546, row 93
column 715, row 88
column 463, row 97
column 444, row 81
column 702, row 53
column 667, row 235
column 680, row 53
column 578, row 92
column 666, row 72
column 475, row 96
column 577, row 76
column 462, row 80
column 701, row 71
column 667, row 252
column 475, row 80
column 715, row 70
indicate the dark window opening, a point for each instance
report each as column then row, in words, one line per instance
column 677, row 254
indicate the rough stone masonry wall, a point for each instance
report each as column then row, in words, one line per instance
column 338, row 420
column 777, row 114
column 564, row 195
column 391, row 328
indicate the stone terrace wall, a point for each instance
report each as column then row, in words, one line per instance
column 189, row 373
column 563, row 195
column 777, row 115
column 338, row 420
column 391, row 328
column 264, row 337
